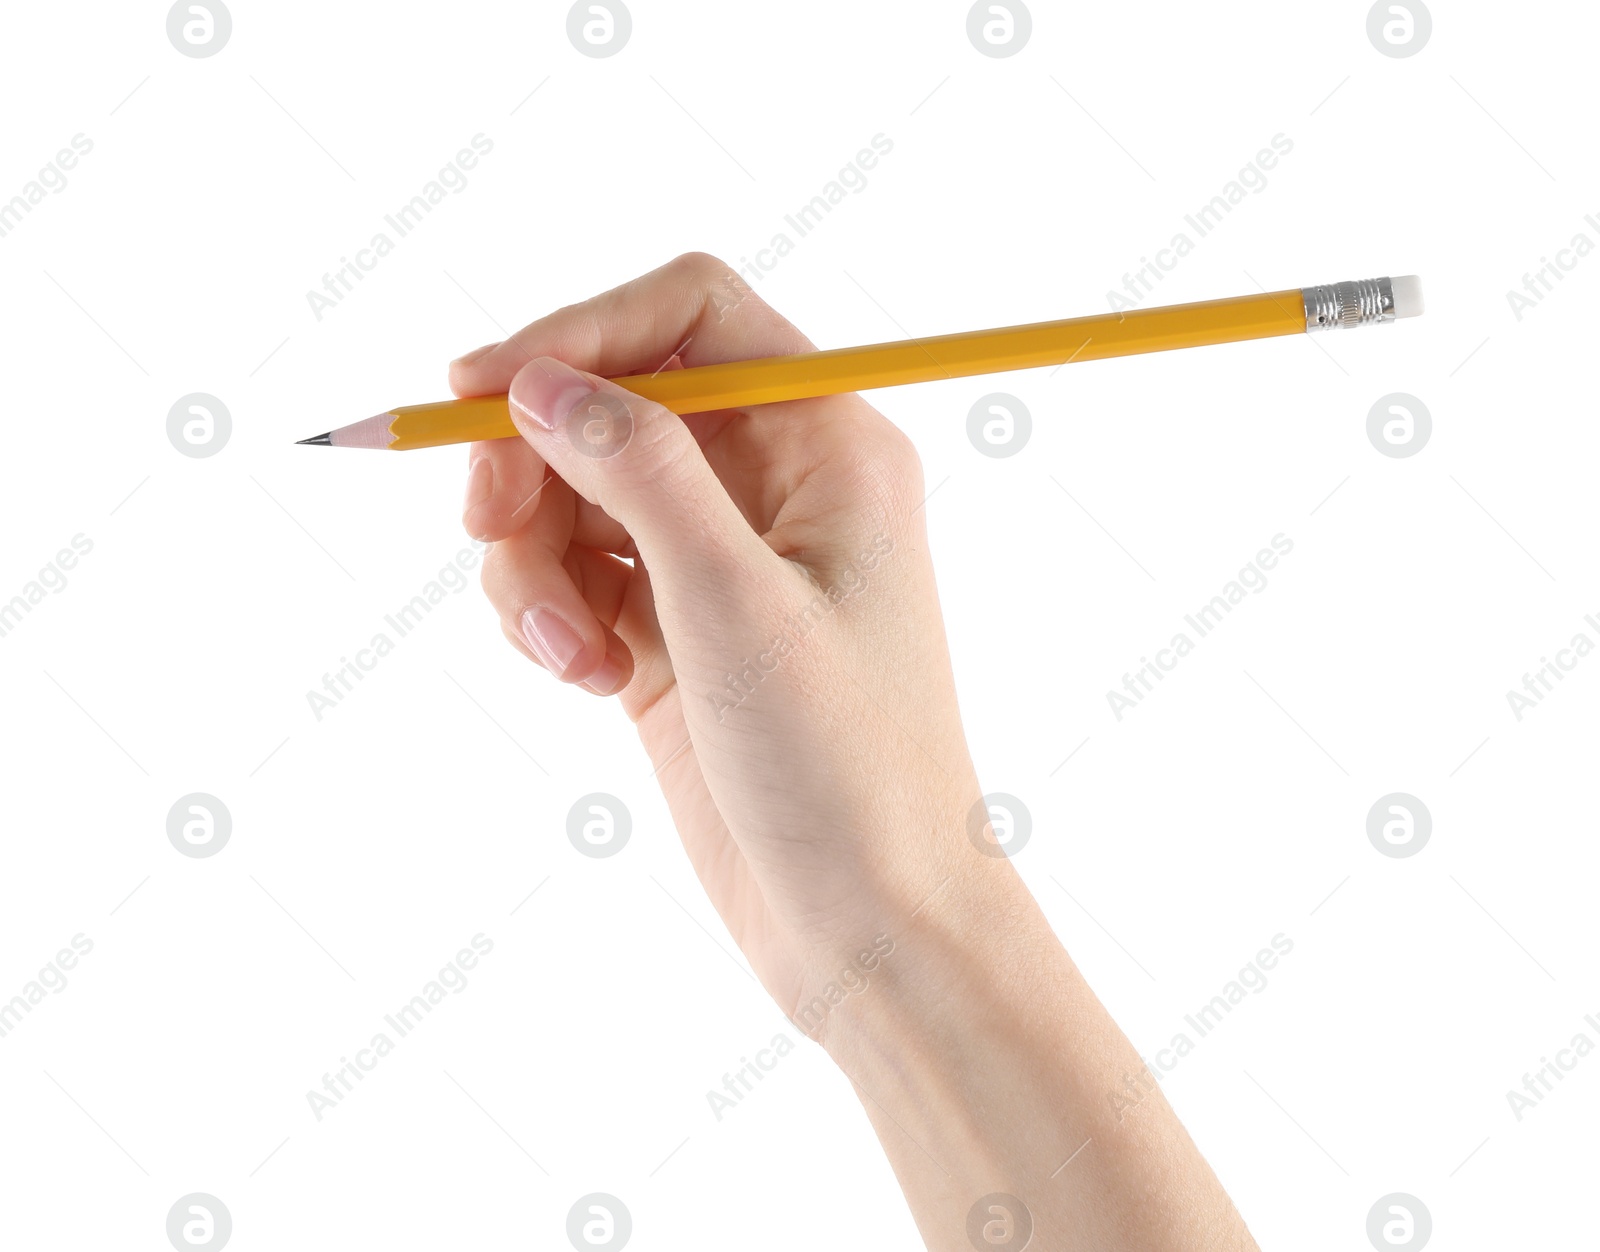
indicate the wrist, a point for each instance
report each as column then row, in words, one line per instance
column 973, row 943
column 987, row 1066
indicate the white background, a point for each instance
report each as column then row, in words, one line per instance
column 368, row 846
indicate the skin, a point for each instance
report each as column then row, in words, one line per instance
column 826, row 795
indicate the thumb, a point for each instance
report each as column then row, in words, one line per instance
column 639, row 463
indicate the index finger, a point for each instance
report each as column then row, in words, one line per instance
column 695, row 307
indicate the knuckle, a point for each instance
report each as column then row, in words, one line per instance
column 721, row 292
column 888, row 475
column 627, row 436
column 900, row 463
column 656, row 441
column 716, row 284
column 659, row 460
column 898, row 450
column 701, row 266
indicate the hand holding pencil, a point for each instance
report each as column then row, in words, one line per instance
column 801, row 375
column 755, row 585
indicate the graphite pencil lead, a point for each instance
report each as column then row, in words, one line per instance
column 323, row 441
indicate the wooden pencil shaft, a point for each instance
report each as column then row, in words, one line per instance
column 737, row 384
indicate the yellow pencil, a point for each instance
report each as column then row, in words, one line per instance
column 739, row 384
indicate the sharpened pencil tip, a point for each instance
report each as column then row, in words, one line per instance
column 323, row 441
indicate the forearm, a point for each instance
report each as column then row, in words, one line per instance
column 988, row 1067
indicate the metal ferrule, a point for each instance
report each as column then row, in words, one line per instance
column 1343, row 305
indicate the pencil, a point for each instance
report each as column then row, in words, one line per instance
column 739, row 384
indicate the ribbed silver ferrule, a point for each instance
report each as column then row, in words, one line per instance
column 1343, row 305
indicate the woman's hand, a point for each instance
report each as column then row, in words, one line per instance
column 755, row 586
column 777, row 636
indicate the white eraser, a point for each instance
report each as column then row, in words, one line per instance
column 1407, row 295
